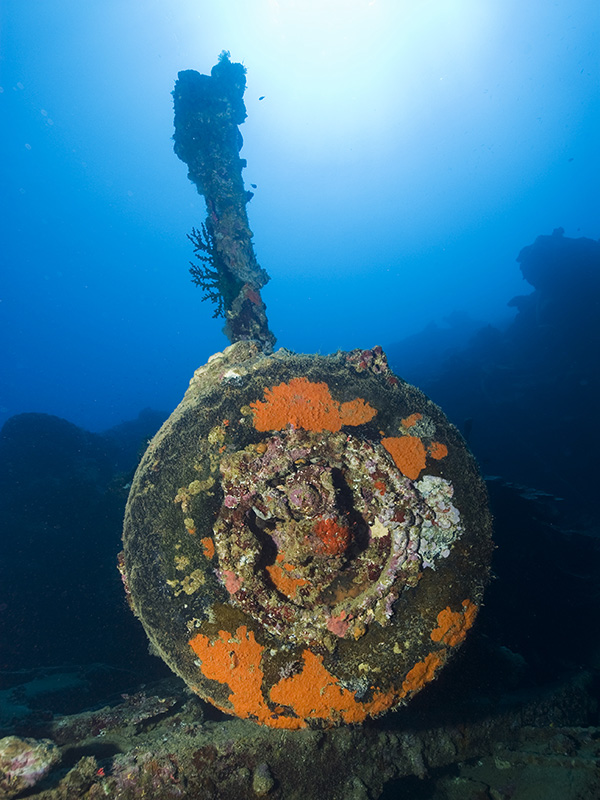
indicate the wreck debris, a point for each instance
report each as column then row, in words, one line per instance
column 208, row 110
column 329, row 576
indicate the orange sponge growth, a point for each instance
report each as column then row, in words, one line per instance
column 334, row 538
column 283, row 582
column 307, row 405
column 312, row 693
column 452, row 626
column 422, row 673
column 208, row 546
column 438, row 450
column 411, row 420
column 409, row 454
column 236, row 661
column 315, row 693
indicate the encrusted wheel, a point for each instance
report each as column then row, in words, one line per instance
column 307, row 538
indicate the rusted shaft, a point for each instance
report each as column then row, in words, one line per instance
column 208, row 110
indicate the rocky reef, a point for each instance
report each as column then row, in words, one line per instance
column 24, row 763
column 525, row 395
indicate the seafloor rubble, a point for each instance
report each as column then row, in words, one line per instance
column 161, row 745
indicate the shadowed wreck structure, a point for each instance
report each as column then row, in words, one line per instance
column 307, row 542
column 208, row 110
column 307, row 538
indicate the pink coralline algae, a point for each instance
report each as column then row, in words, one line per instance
column 373, row 360
column 24, row 762
column 308, row 548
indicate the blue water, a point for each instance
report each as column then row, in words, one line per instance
column 403, row 155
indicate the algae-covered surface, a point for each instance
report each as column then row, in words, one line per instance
column 307, row 537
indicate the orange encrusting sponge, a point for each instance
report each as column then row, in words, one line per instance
column 452, row 626
column 313, row 693
column 307, row 405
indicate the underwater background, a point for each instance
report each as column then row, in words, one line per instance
column 425, row 178
column 403, row 155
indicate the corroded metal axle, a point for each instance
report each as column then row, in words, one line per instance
column 208, row 110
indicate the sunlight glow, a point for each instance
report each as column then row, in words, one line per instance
column 353, row 64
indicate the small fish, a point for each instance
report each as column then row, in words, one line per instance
column 262, row 97
column 253, row 185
